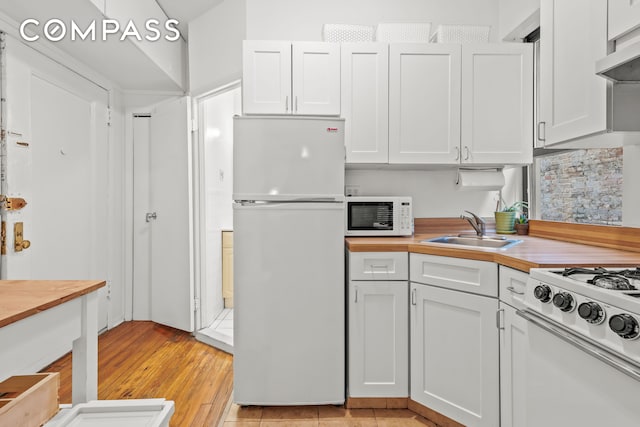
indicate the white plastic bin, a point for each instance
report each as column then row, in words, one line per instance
column 403, row 32
column 461, row 34
column 121, row 413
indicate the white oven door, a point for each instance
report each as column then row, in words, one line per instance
column 572, row 382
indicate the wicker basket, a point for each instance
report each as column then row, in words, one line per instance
column 461, row 34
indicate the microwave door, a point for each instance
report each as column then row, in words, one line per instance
column 370, row 216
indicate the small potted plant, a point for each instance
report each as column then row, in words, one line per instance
column 522, row 224
column 506, row 216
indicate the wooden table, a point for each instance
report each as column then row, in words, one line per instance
column 37, row 313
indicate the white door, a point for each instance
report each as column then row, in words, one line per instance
column 513, row 355
column 316, row 78
column 424, row 103
column 454, row 354
column 57, row 131
column 169, row 253
column 266, row 77
column 378, row 339
column 497, row 103
column 365, row 101
column 573, row 98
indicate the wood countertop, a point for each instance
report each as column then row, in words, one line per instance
column 533, row 252
column 23, row 298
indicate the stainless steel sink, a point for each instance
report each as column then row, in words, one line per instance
column 491, row 242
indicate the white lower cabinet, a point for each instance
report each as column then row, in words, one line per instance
column 454, row 343
column 513, row 348
column 513, row 354
column 378, row 339
column 378, row 326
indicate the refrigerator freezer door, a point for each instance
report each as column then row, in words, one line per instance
column 288, row 158
column 289, row 318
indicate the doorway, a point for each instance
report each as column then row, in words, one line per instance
column 215, row 116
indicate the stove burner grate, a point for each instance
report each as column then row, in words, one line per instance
column 579, row 270
column 613, row 281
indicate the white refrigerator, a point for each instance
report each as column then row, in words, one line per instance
column 289, row 308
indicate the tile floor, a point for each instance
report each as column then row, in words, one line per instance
column 220, row 333
column 319, row 416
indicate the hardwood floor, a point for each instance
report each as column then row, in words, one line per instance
column 139, row 360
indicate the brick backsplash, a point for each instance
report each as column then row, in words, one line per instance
column 583, row 186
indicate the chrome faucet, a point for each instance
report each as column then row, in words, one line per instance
column 476, row 222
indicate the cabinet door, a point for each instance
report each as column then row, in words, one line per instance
column 266, row 77
column 227, row 268
column 424, row 103
column 573, row 35
column 513, row 353
column 365, row 101
column 378, row 339
column 316, row 78
column 497, row 103
column 624, row 16
column 454, row 354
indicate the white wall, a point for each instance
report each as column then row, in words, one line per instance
column 518, row 18
column 434, row 192
column 215, row 46
column 303, row 19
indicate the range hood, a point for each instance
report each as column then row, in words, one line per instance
column 622, row 66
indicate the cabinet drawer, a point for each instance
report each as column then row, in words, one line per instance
column 478, row 277
column 512, row 286
column 378, row 266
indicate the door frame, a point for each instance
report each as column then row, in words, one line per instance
column 205, row 315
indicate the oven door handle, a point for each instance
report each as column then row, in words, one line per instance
column 619, row 362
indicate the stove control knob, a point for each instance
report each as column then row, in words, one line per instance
column 563, row 300
column 542, row 293
column 591, row 312
column 624, row 325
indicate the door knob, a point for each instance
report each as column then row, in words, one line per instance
column 150, row 216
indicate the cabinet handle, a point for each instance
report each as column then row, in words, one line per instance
column 413, row 297
column 356, row 300
column 286, row 104
column 466, row 152
column 499, row 322
column 296, row 108
column 513, row 291
column 457, row 153
column 542, row 131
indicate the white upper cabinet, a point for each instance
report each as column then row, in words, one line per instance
column 573, row 99
column 266, row 77
column 316, row 78
column 624, row 16
column 461, row 104
column 365, row 101
column 497, row 104
column 424, row 103
column 285, row 78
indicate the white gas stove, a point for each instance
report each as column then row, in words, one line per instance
column 582, row 346
column 599, row 304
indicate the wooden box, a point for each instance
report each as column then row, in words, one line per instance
column 29, row 400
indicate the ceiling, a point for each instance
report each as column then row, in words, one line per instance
column 185, row 11
column 120, row 62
